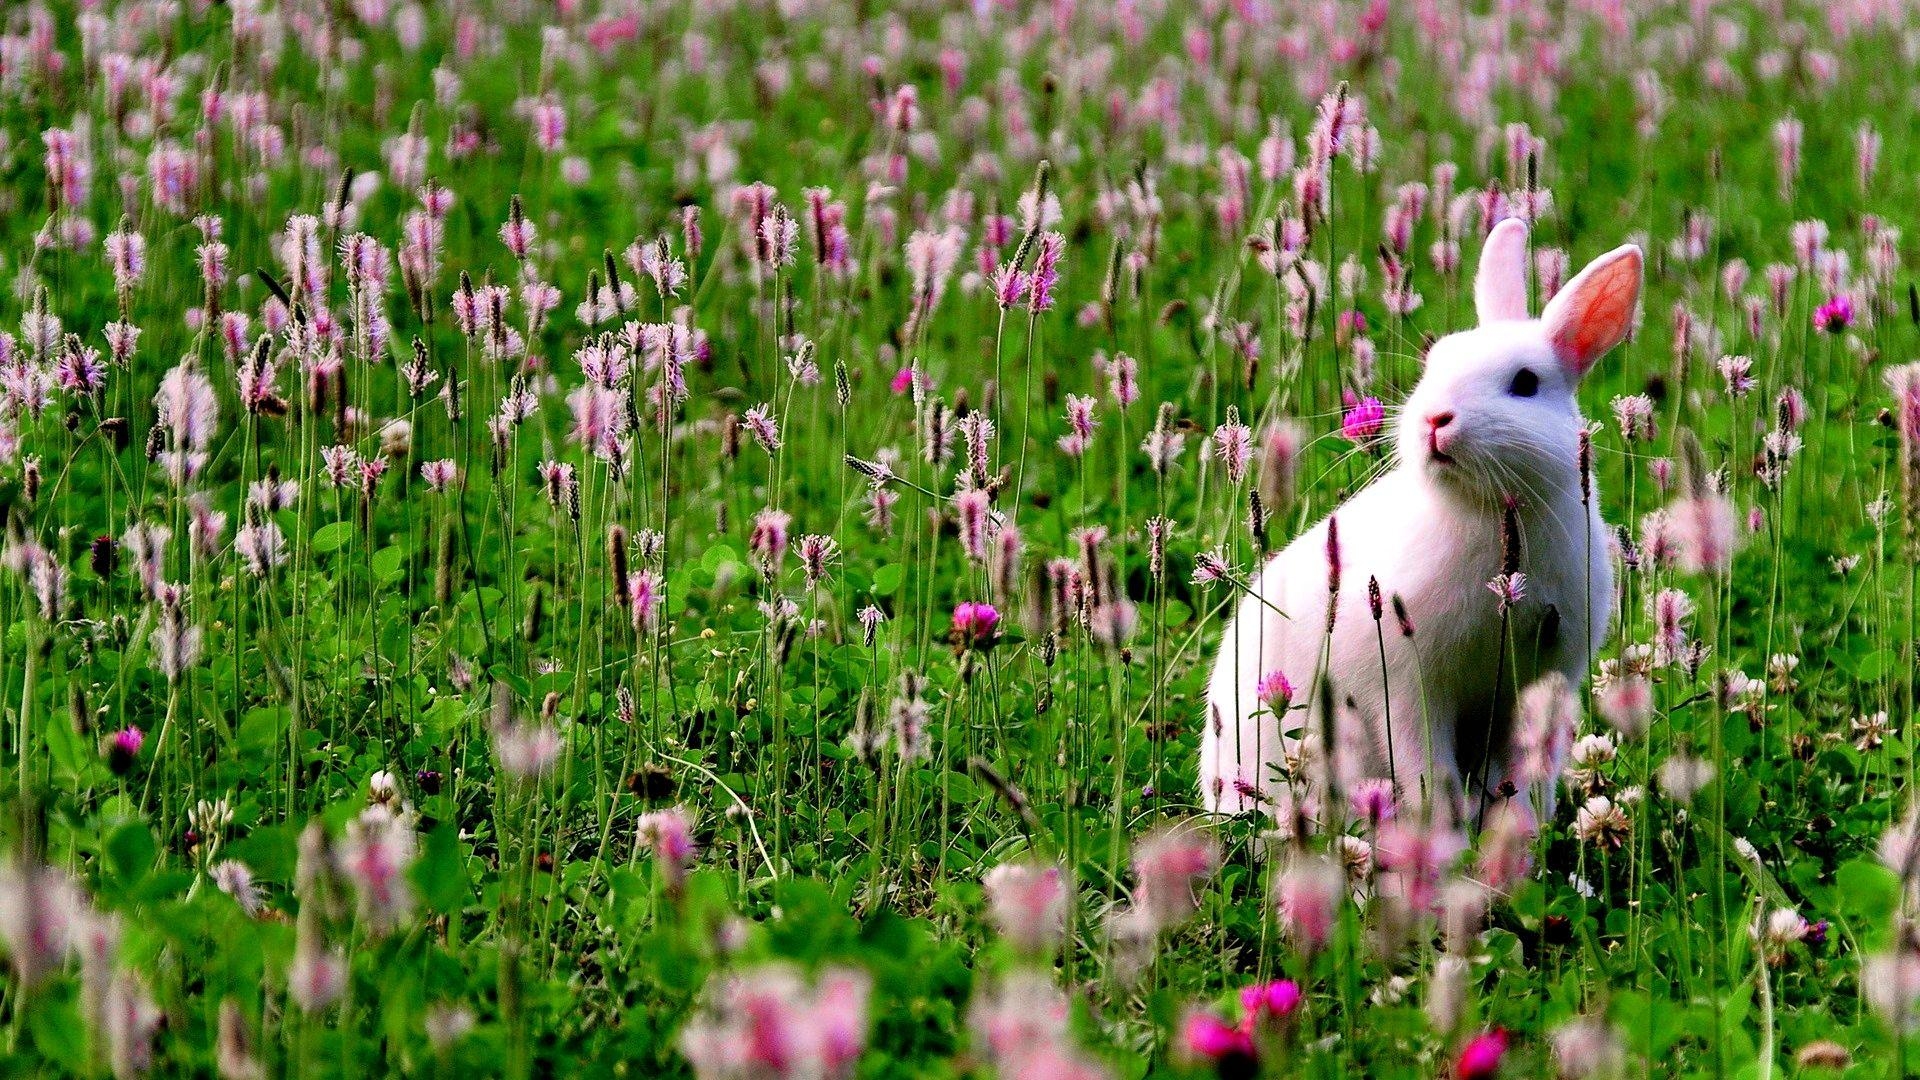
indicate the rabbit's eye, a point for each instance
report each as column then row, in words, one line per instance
column 1525, row 383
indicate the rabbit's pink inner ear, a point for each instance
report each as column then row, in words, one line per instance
column 1500, row 286
column 1594, row 312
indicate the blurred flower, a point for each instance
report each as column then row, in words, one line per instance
column 1506, row 844
column 1306, row 899
column 374, row 855
column 1586, row 1048
column 669, row 835
column 1418, row 854
column 1446, row 998
column 1890, row 983
column 1020, row 1027
column 1682, row 776
column 318, row 975
column 768, row 540
column 1209, row 1040
column 37, row 909
column 1028, row 903
column 768, row 1022
column 1626, row 702
column 1549, row 715
column 1169, row 864
column 447, row 1024
column 1823, row 1054
column 236, row 880
column 1372, row 801
column 131, row 1020
column 1480, row 1058
column 1264, row 1004
column 1705, row 532
column 234, row 1056
column 526, row 750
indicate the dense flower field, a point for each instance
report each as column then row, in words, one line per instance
column 615, row 537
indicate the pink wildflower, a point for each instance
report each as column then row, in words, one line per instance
column 1363, row 419
column 975, row 623
column 1480, row 1058
column 668, row 834
column 1028, row 904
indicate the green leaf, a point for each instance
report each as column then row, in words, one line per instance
column 65, row 745
column 268, row 851
column 888, row 579
column 130, row 852
column 390, row 563
column 332, row 537
column 58, row 1032
column 441, row 873
column 260, row 731
column 1874, row 665
column 1867, row 892
column 1177, row 614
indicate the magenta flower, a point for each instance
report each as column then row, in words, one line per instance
column 1835, row 316
column 974, row 623
column 902, row 380
column 123, row 747
column 1480, row 1058
column 1372, row 800
column 1275, row 692
column 1363, row 420
column 1008, row 285
column 1208, row 1038
column 1268, row 1001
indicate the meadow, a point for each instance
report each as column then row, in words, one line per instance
column 629, row 538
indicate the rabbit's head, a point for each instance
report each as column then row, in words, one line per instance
column 1496, row 412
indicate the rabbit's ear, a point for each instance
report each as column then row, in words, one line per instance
column 1500, row 288
column 1593, row 312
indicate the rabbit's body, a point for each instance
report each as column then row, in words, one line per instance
column 1493, row 422
column 1436, row 552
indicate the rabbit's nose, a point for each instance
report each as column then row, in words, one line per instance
column 1438, row 420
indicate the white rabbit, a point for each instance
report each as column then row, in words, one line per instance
column 1494, row 416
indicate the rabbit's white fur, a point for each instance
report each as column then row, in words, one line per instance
column 1430, row 531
